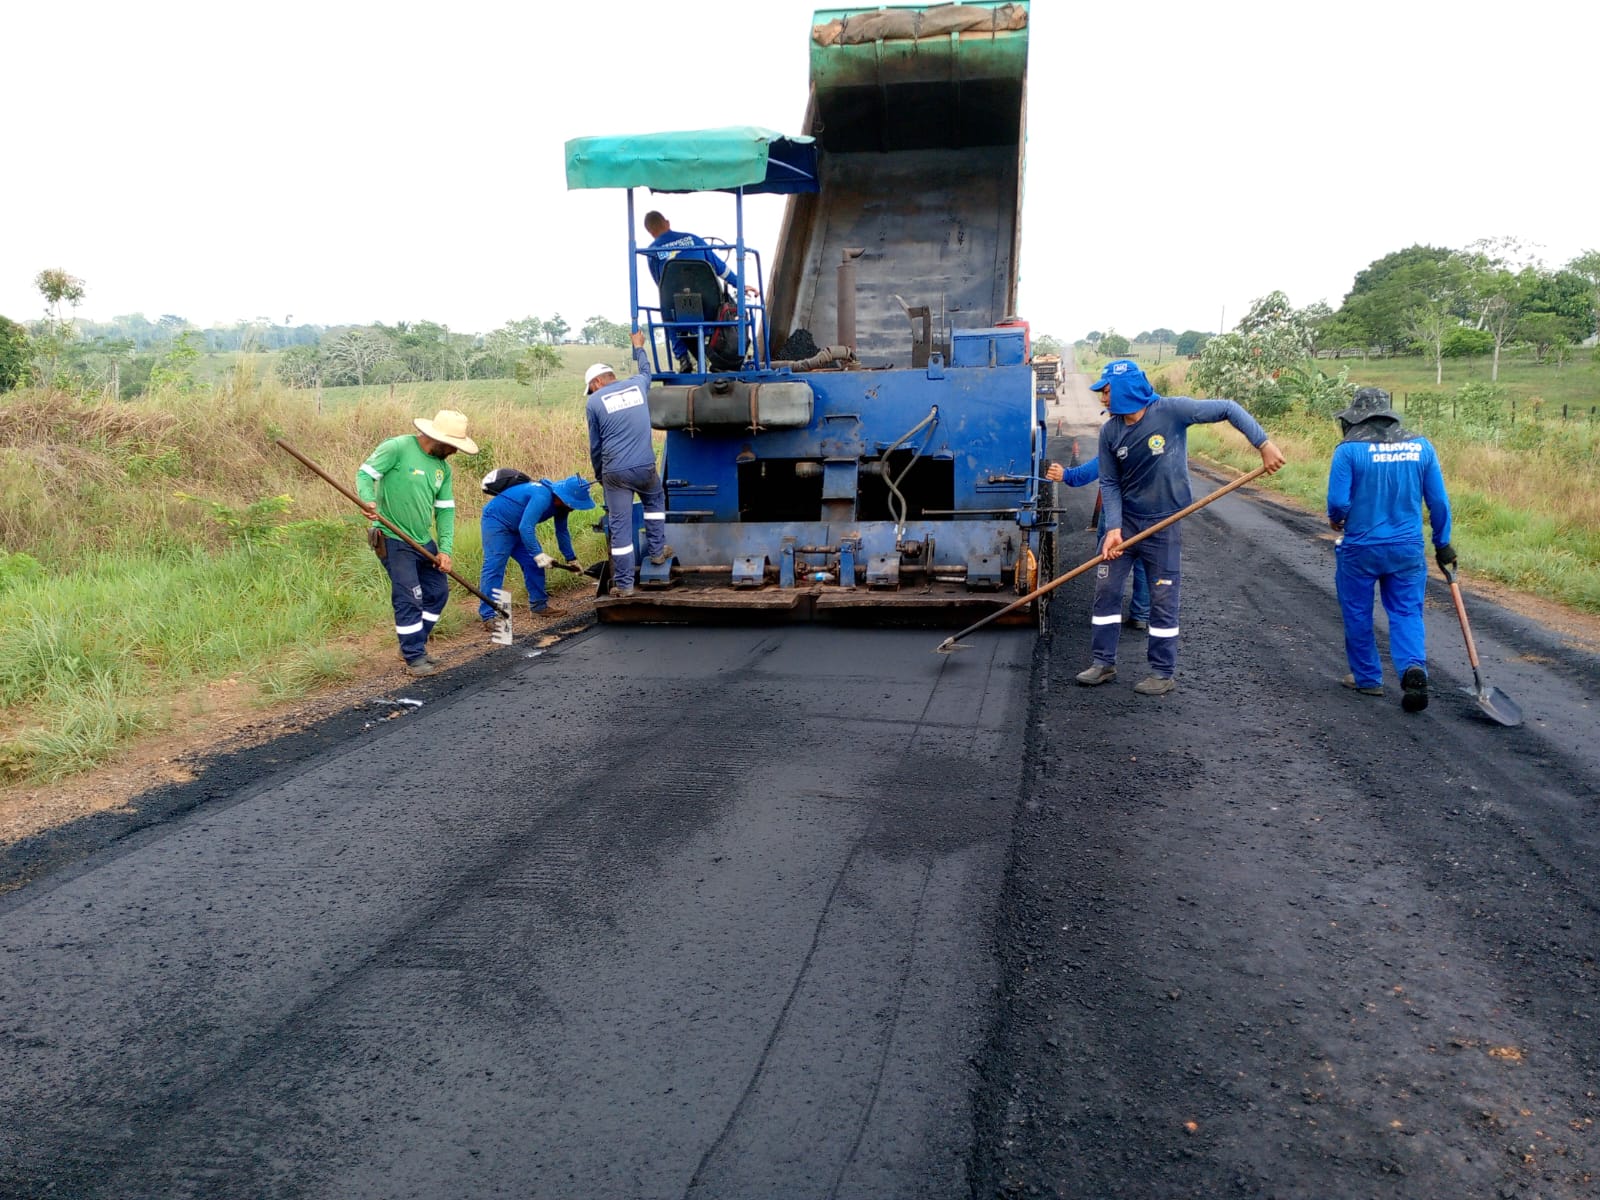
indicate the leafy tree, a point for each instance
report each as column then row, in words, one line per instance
column 175, row 368
column 1386, row 291
column 299, row 366
column 357, row 352
column 1463, row 341
column 58, row 288
column 1163, row 335
column 536, row 365
column 556, row 328
column 1093, row 337
column 1113, row 344
column 15, row 355
column 1190, row 341
column 1046, row 344
column 1247, row 364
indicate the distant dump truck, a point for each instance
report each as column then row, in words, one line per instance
column 1046, row 376
column 886, row 462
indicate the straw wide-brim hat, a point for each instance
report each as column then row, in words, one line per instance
column 450, row 427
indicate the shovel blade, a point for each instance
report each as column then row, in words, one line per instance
column 1497, row 704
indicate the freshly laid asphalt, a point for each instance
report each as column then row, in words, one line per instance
column 658, row 913
column 818, row 912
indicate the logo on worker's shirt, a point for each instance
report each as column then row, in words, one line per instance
column 1122, row 452
column 621, row 401
column 438, row 477
column 1157, row 444
column 418, row 471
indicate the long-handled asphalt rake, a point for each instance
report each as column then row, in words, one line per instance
column 953, row 641
column 501, row 603
column 1491, row 699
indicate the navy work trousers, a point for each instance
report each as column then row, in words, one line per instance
column 620, row 489
column 419, row 591
column 1161, row 555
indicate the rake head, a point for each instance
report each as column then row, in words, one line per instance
column 501, row 635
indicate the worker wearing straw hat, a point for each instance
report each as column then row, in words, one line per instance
column 407, row 480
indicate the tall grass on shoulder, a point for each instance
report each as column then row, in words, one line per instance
column 1525, row 500
column 157, row 545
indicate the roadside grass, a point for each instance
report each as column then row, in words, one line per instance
column 151, row 547
column 1524, row 483
column 1526, row 516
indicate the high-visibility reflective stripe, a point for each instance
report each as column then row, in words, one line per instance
column 621, row 551
column 655, row 516
column 444, row 503
column 370, row 471
column 1154, row 632
column 1111, row 620
column 428, row 616
column 402, row 630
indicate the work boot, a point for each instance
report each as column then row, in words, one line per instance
column 1349, row 681
column 1414, row 689
column 1138, row 623
column 1097, row 674
column 1156, row 685
column 547, row 609
column 686, row 365
column 431, row 660
column 664, row 557
column 488, row 624
column 421, row 666
column 622, row 593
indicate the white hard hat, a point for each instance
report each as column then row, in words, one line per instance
column 594, row 373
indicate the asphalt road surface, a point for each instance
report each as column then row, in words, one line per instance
column 812, row 912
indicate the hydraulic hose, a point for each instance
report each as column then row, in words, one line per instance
column 894, row 484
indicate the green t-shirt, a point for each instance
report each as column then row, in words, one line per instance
column 412, row 489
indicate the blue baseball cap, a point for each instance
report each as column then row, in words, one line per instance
column 573, row 491
column 1130, row 390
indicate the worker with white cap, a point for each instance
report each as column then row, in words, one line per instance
column 624, row 460
column 407, row 480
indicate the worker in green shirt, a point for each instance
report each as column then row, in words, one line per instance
column 407, row 479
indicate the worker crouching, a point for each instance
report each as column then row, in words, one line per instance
column 510, row 525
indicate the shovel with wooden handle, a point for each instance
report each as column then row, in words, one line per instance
column 953, row 641
column 501, row 608
column 1491, row 699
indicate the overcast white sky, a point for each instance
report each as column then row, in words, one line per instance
column 348, row 162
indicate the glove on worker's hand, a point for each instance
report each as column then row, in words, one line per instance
column 543, row 561
column 1445, row 556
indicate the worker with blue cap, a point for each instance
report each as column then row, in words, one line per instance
column 510, row 525
column 1144, row 477
column 1379, row 478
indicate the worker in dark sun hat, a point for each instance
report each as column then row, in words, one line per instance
column 1380, row 477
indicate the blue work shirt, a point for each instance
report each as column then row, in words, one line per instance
column 619, row 422
column 1082, row 474
column 675, row 243
column 522, row 508
column 1377, row 490
column 1144, row 467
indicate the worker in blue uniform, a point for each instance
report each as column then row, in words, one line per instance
column 1380, row 477
column 668, row 243
column 624, row 460
column 510, row 524
column 1138, row 618
column 1144, row 477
